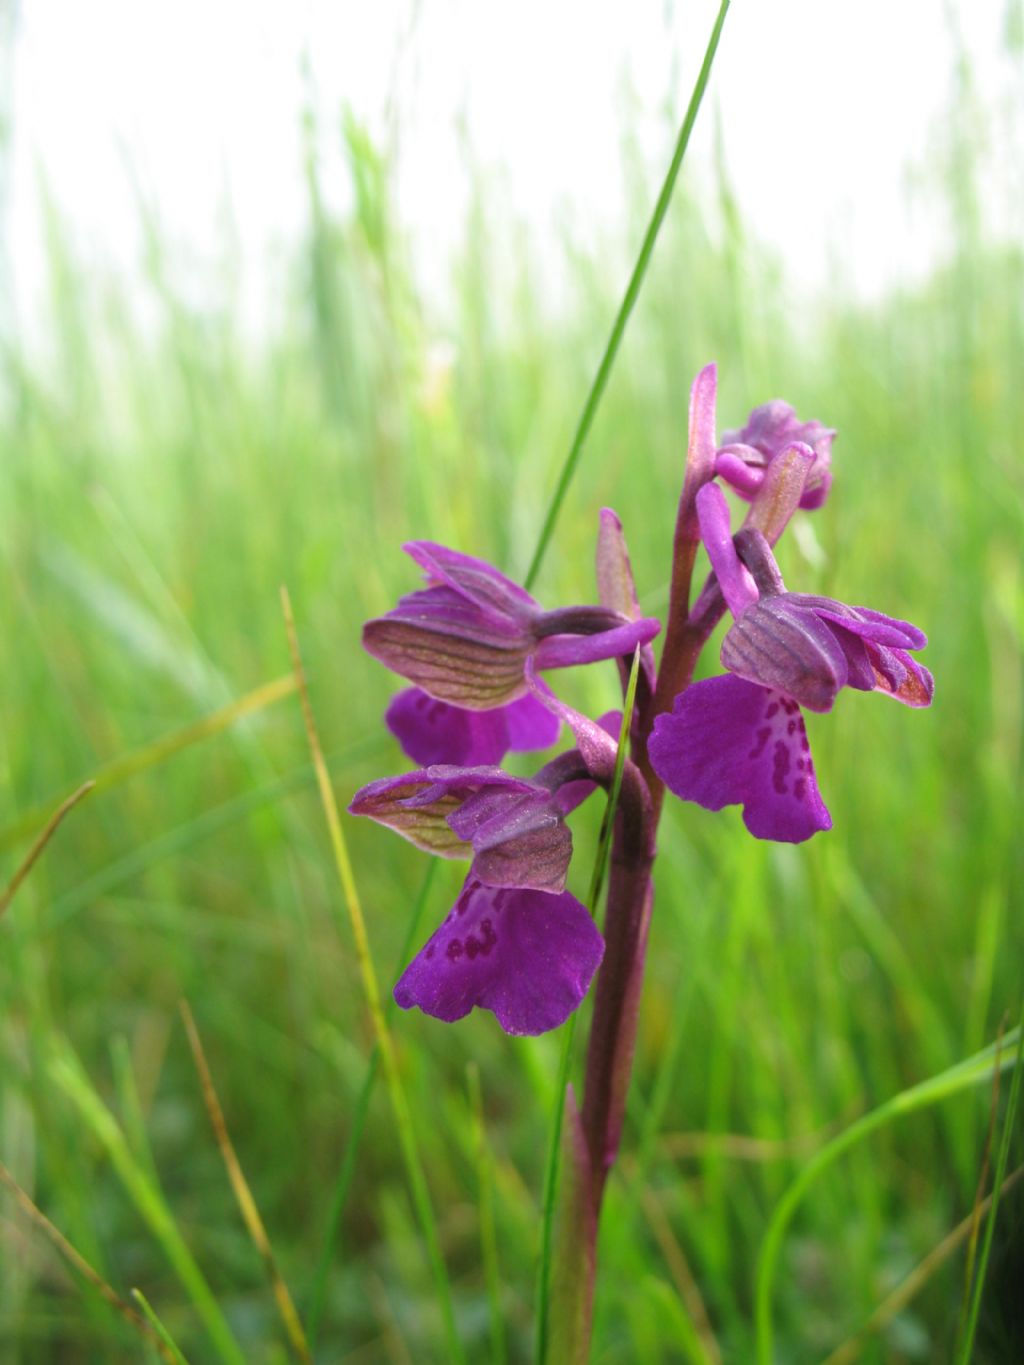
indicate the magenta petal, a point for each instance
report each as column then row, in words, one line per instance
column 733, row 578
column 530, row 725
column 566, row 651
column 899, row 676
column 527, row 956
column 744, row 476
column 431, row 731
column 476, row 580
column 730, row 742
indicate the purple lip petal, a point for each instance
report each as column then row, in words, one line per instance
column 530, row 725
column 566, row 651
column 527, row 956
column 432, row 731
column 730, row 742
column 733, row 578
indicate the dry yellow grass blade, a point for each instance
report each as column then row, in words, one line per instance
column 47, row 833
column 243, row 1194
column 75, row 1259
column 916, row 1280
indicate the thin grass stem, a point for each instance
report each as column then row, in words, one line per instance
column 636, row 279
column 45, row 835
column 488, row 1230
column 171, row 1350
column 967, row 1345
column 78, row 1262
column 894, row 1303
column 150, row 755
column 970, row 1072
column 148, row 1199
column 347, row 1169
column 243, row 1194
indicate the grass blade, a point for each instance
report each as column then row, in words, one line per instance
column 149, row 755
column 243, row 1194
column 611, row 350
column 972, row 1071
column 78, row 1262
column 488, row 1232
column 147, row 1197
column 850, row 1350
column 45, row 835
column 967, row 1346
column 346, row 1171
column 171, row 1350
column 399, row 1103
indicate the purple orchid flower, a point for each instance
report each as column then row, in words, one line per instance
column 465, row 638
column 516, row 942
column 740, row 738
column 525, row 955
column 745, row 454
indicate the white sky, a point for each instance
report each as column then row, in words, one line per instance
column 823, row 105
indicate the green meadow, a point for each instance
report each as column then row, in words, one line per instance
column 163, row 473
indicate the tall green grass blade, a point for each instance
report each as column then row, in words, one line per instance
column 552, row 1168
column 158, row 1327
column 67, row 1073
column 970, row 1072
column 967, row 1345
column 347, row 1170
column 632, row 293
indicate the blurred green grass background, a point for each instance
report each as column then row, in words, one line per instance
column 162, row 475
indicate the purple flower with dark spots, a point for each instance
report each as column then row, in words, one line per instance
column 744, row 455
column 741, row 739
column 465, row 638
column 432, row 731
column 526, row 955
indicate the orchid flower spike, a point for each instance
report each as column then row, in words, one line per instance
column 740, row 738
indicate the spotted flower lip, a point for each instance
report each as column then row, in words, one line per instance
column 465, row 638
column 512, row 828
column 740, row 739
column 525, row 955
column 746, row 453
